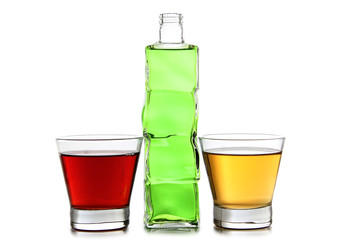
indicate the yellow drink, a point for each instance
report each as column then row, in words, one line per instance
column 242, row 178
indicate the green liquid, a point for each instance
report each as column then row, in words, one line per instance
column 170, row 127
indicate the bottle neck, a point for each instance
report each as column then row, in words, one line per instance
column 171, row 28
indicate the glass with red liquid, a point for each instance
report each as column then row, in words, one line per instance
column 99, row 171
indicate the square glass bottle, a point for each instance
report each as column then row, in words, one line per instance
column 169, row 119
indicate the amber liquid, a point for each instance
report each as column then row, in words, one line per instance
column 242, row 178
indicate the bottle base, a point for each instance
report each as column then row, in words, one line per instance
column 171, row 225
column 243, row 218
column 99, row 220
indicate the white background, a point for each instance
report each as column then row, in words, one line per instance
column 77, row 67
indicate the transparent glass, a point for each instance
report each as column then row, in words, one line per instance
column 99, row 171
column 171, row 28
column 169, row 119
column 242, row 171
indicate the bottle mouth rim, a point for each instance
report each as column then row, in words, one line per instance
column 171, row 18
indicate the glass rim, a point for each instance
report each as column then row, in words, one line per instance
column 242, row 136
column 99, row 137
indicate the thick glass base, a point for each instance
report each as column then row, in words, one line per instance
column 243, row 218
column 99, row 220
column 171, row 225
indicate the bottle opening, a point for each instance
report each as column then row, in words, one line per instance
column 171, row 18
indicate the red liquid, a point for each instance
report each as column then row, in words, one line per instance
column 99, row 180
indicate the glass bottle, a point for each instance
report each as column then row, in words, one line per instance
column 169, row 119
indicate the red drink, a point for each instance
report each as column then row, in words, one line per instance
column 99, row 180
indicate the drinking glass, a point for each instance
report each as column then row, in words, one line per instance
column 99, row 171
column 242, row 171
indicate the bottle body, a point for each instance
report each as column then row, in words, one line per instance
column 170, row 117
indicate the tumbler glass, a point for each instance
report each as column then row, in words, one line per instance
column 99, row 171
column 242, row 171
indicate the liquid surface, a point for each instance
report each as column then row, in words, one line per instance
column 99, row 180
column 242, row 178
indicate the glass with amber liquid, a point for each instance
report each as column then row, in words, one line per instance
column 242, row 171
